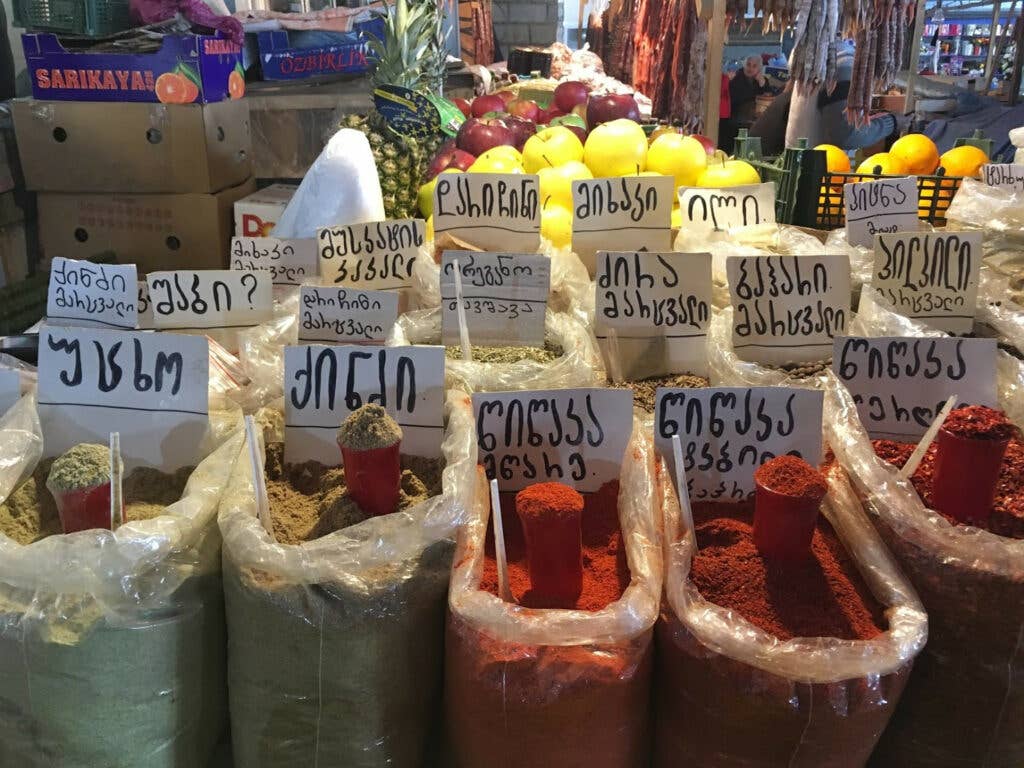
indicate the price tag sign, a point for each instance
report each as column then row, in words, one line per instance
column 150, row 387
column 10, row 388
column 290, row 262
column 374, row 256
column 346, row 315
column 572, row 436
column 727, row 433
column 209, row 299
column 1003, row 175
column 719, row 210
column 659, row 307
column 91, row 295
column 931, row 276
column 787, row 309
column 145, row 306
column 493, row 211
column 323, row 385
column 875, row 207
column 901, row 384
column 505, row 297
column 631, row 213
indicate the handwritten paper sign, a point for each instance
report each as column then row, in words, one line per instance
column 727, row 433
column 631, row 213
column 572, row 436
column 91, row 295
column 901, row 384
column 145, row 307
column 346, row 315
column 931, row 276
column 150, row 387
column 493, row 211
column 659, row 307
column 718, row 210
column 787, row 309
column 874, row 207
column 323, row 385
column 375, row 255
column 10, row 388
column 290, row 262
column 209, row 299
column 1003, row 175
column 504, row 295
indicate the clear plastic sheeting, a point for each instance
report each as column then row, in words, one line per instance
column 579, row 366
column 862, row 260
column 997, row 309
column 748, row 698
column 996, row 210
column 336, row 645
column 527, row 687
column 964, row 704
column 112, row 642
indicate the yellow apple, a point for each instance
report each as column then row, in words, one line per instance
column 677, row 218
column 731, row 173
column 429, row 228
column 682, row 157
column 618, row 148
column 556, row 225
column 498, row 160
column 556, row 183
column 425, row 195
column 551, row 147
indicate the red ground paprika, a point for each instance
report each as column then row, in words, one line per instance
column 788, row 494
column 551, row 516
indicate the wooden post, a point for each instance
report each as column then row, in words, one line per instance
column 915, row 57
column 714, row 12
column 990, row 59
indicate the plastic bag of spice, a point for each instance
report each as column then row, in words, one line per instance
column 730, row 693
column 336, row 644
column 964, row 704
column 111, row 643
column 549, row 687
column 569, row 358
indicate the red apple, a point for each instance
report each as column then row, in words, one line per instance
column 524, row 108
column 477, row 135
column 569, row 94
column 709, row 145
column 611, row 106
column 580, row 110
column 554, row 112
column 489, row 103
column 521, row 130
column 449, row 156
column 464, row 106
column 506, row 96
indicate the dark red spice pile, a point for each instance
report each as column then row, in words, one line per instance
column 823, row 596
column 605, row 570
column 979, row 422
column 791, row 476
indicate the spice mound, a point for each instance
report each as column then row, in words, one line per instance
column 30, row 513
column 792, row 474
column 819, row 596
column 369, row 428
column 311, row 500
column 605, row 571
column 803, row 370
column 484, row 354
column 980, row 423
column 645, row 390
column 84, row 466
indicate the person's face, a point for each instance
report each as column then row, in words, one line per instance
column 751, row 68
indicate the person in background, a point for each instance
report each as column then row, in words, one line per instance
column 744, row 88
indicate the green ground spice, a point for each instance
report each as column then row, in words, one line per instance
column 645, row 390
column 87, row 465
column 369, row 428
column 310, row 500
column 482, row 354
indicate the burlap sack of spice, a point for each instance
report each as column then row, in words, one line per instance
column 531, row 687
column 964, row 704
column 336, row 645
column 751, row 699
column 579, row 366
column 112, row 644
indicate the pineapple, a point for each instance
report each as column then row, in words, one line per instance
column 412, row 55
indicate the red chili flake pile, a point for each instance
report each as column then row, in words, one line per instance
column 822, row 596
column 980, row 423
column 791, row 476
column 605, row 570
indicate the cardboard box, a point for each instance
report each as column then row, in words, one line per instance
column 280, row 60
column 212, row 63
column 152, row 231
column 257, row 214
column 77, row 146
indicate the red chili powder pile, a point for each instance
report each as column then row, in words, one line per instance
column 822, row 596
column 605, row 570
column 791, row 476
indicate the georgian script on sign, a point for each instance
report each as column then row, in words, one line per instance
column 727, row 433
column 901, row 384
column 290, row 262
column 931, row 276
column 92, row 295
column 209, row 299
column 346, row 315
column 150, row 387
column 572, row 436
column 652, row 312
column 323, row 385
column 492, row 211
column 718, row 210
column 787, row 309
column 1003, row 175
column 877, row 207
column 377, row 255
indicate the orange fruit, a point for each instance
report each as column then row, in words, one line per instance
column 236, row 85
column 171, row 88
column 887, row 163
column 836, row 159
column 963, row 161
column 917, row 152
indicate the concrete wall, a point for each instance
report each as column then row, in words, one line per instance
column 526, row 22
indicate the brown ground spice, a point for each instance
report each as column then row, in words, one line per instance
column 310, row 500
column 644, row 390
column 30, row 513
column 803, row 370
column 482, row 354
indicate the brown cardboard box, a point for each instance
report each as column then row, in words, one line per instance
column 80, row 146
column 152, row 231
